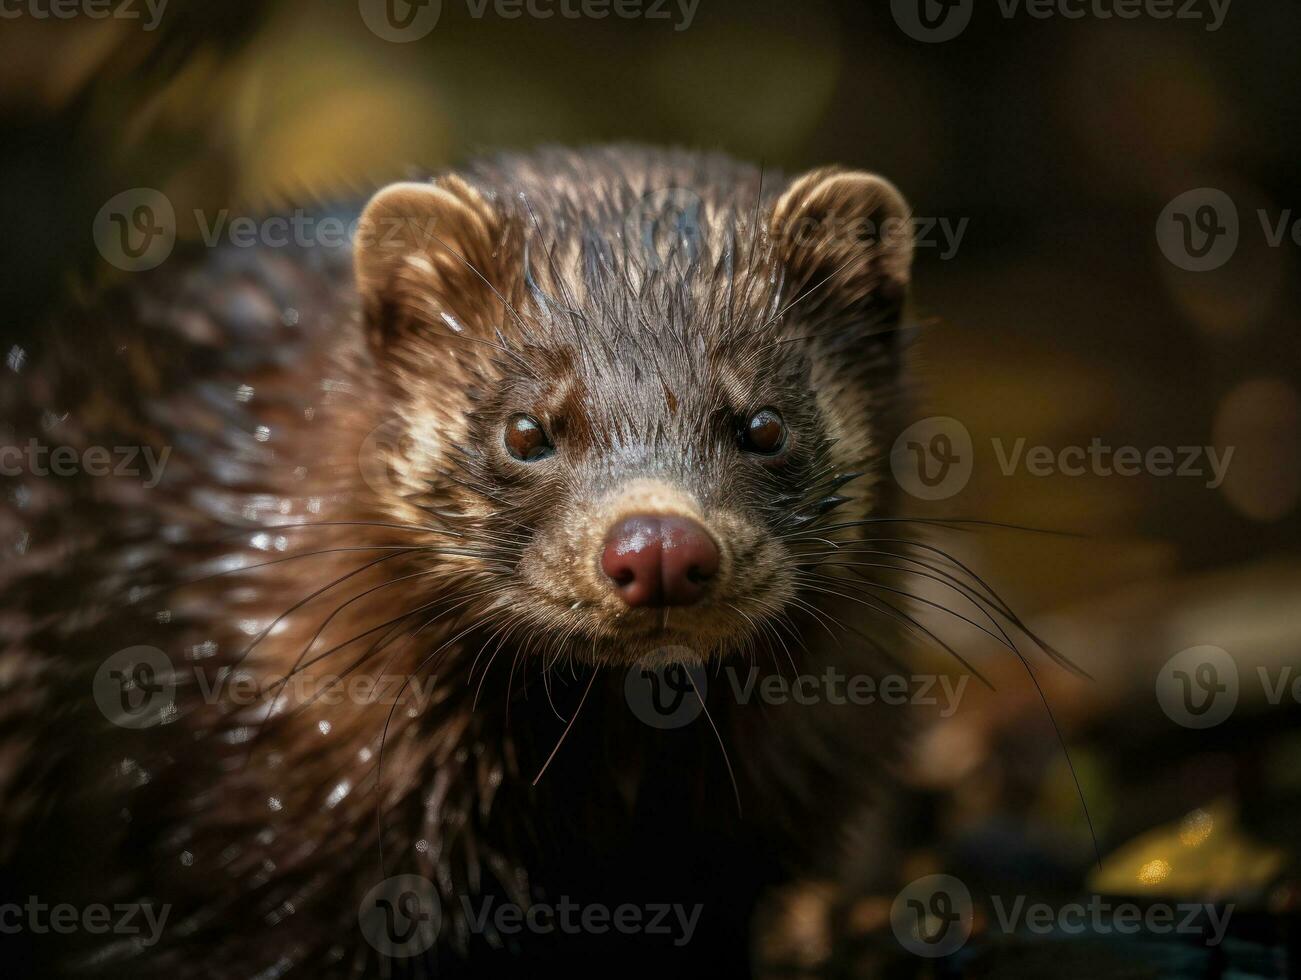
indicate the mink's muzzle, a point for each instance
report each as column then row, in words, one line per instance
column 659, row 561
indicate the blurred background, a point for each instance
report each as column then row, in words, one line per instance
column 1049, row 149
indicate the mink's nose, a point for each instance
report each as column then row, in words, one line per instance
column 659, row 561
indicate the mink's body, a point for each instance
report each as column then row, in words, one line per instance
column 304, row 414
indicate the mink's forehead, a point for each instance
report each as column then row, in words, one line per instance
column 680, row 374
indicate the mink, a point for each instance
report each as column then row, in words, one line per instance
column 548, row 426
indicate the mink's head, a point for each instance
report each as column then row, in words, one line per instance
column 634, row 398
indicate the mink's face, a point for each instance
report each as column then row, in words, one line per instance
column 637, row 447
column 651, row 500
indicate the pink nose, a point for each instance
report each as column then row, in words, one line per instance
column 659, row 561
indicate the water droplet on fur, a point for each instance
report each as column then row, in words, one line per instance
column 204, row 650
column 338, row 794
column 452, row 322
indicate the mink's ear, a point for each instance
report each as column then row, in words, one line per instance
column 425, row 253
column 845, row 240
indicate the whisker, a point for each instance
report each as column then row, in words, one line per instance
column 573, row 718
column 1004, row 639
column 911, row 623
column 302, row 602
column 736, row 792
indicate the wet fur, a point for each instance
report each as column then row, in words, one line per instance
column 262, row 833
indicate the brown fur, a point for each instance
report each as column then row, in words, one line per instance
column 556, row 284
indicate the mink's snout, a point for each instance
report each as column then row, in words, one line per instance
column 654, row 560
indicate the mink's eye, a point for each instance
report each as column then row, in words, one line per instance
column 526, row 440
column 764, row 433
